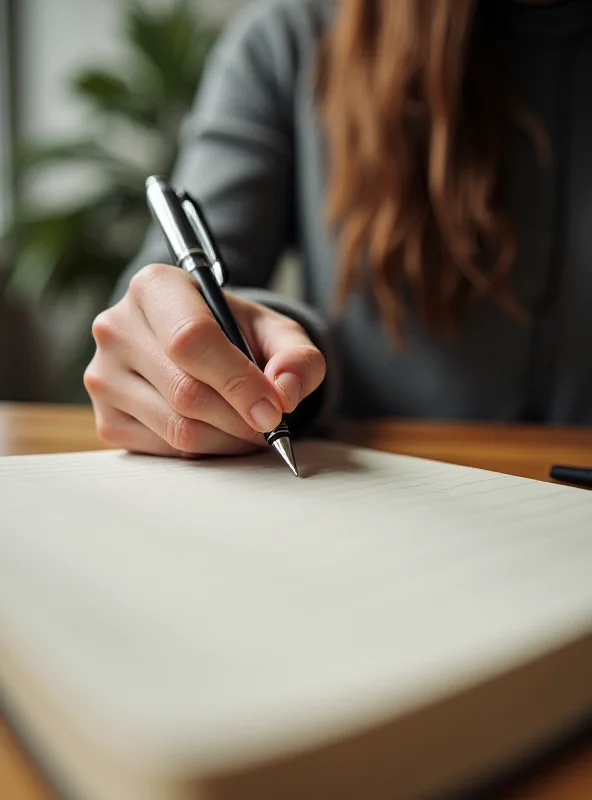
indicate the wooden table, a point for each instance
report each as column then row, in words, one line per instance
column 524, row 450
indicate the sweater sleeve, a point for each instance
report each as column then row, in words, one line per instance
column 236, row 157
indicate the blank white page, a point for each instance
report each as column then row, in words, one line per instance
column 209, row 613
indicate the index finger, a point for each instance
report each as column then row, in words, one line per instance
column 190, row 337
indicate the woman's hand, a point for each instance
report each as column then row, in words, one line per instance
column 166, row 380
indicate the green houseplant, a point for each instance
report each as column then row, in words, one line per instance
column 137, row 108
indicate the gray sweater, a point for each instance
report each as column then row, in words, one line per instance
column 252, row 151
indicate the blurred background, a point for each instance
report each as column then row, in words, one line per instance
column 92, row 93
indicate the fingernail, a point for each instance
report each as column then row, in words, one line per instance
column 291, row 386
column 265, row 417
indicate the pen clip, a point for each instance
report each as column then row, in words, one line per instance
column 204, row 237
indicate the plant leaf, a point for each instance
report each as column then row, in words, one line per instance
column 41, row 155
column 93, row 241
column 37, row 257
column 173, row 43
column 110, row 94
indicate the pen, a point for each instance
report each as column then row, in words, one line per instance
column 579, row 476
column 192, row 247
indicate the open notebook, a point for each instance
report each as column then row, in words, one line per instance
column 386, row 627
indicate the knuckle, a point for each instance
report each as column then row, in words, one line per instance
column 145, row 277
column 94, row 382
column 109, row 432
column 178, row 432
column 104, row 330
column 235, row 385
column 185, row 393
column 191, row 338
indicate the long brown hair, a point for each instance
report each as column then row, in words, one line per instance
column 414, row 116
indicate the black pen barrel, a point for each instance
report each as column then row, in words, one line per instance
column 218, row 304
column 579, row 476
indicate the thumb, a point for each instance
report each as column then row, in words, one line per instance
column 293, row 364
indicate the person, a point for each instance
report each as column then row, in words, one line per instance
column 430, row 161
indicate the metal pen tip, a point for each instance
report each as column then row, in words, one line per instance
column 283, row 445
